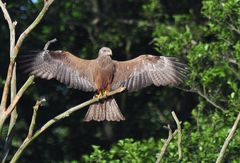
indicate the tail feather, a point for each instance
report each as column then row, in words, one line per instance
column 104, row 110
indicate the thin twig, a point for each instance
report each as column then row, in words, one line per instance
column 166, row 143
column 179, row 129
column 34, row 116
column 228, row 139
column 204, row 96
column 48, row 43
column 63, row 115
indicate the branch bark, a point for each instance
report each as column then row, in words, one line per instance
column 228, row 139
column 169, row 139
column 34, row 117
column 166, row 143
column 179, row 129
column 63, row 115
column 19, row 94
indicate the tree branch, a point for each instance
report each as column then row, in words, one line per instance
column 34, row 116
column 48, row 43
column 194, row 90
column 11, row 75
column 6, row 14
column 19, row 94
column 63, row 115
column 179, row 129
column 6, row 87
column 14, row 114
column 170, row 137
column 228, row 139
column 14, row 49
column 11, row 26
column 166, row 143
column 13, row 119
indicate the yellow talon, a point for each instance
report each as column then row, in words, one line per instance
column 105, row 92
column 100, row 94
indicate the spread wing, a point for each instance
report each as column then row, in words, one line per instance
column 146, row 70
column 64, row 67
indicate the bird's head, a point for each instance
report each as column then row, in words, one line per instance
column 105, row 51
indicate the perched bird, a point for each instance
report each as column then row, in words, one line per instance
column 103, row 74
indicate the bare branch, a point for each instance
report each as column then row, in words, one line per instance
column 48, row 43
column 63, row 115
column 6, row 87
column 6, row 14
column 19, row 94
column 166, row 143
column 11, row 26
column 11, row 75
column 14, row 49
column 14, row 114
column 12, row 123
column 179, row 129
column 194, row 90
column 34, row 116
column 228, row 139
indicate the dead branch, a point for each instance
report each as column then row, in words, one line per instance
column 166, row 143
column 34, row 117
column 179, row 129
column 228, row 139
column 14, row 49
column 52, row 121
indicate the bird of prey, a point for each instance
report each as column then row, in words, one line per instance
column 104, row 74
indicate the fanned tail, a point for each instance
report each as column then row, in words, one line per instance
column 104, row 110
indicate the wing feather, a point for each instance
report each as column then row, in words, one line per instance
column 146, row 70
column 62, row 66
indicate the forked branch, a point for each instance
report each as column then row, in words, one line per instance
column 63, row 115
column 171, row 135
